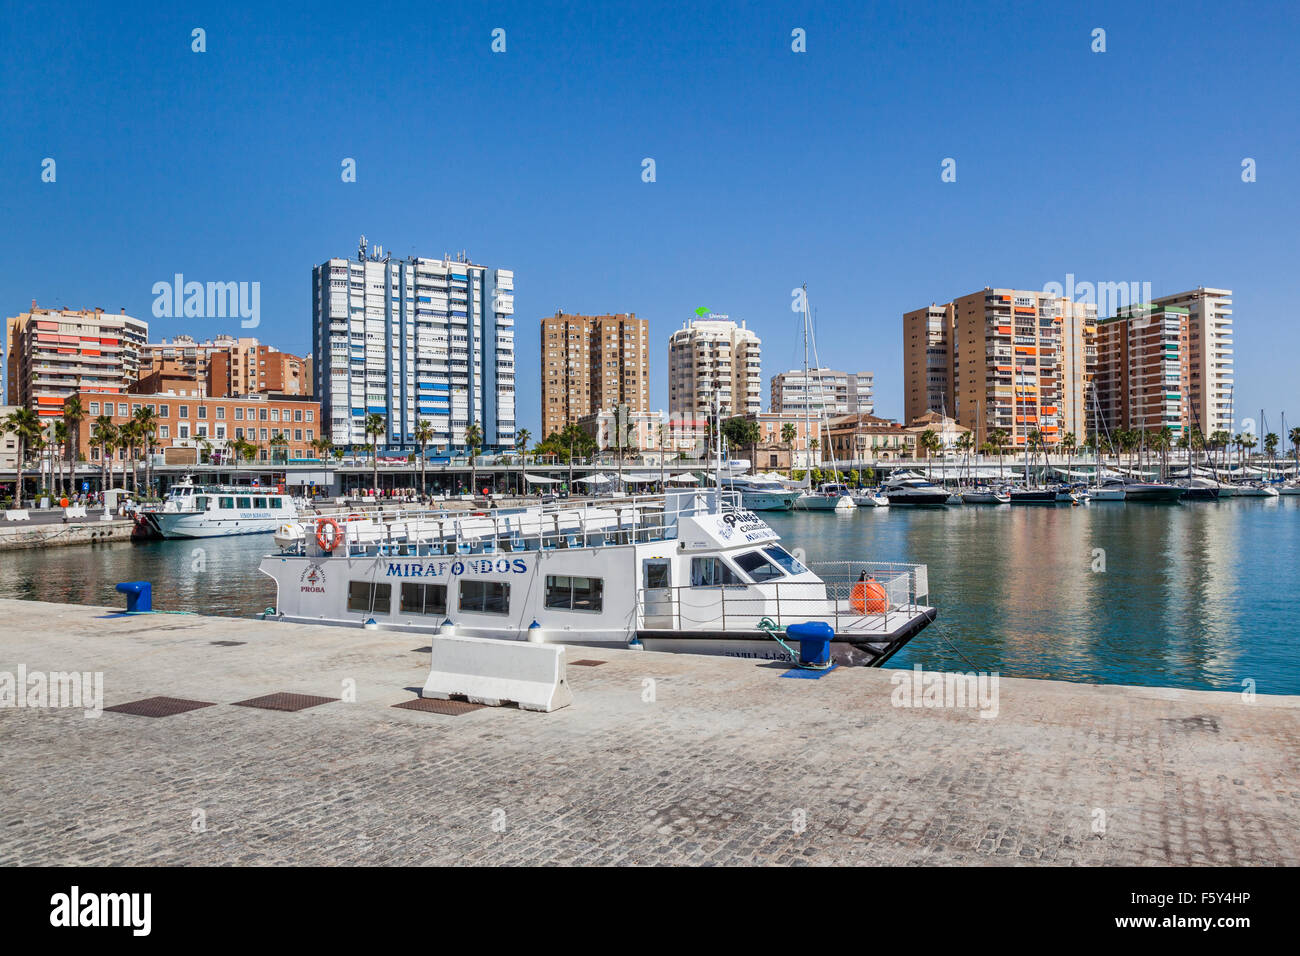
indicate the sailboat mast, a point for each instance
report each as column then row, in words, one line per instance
column 807, row 390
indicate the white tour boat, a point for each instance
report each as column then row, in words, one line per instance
column 692, row 572
column 206, row 511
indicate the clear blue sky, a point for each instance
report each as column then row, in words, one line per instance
column 773, row 168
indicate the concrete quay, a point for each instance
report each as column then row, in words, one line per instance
column 48, row 531
column 661, row 759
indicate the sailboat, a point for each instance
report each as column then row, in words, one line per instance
column 828, row 496
column 1031, row 494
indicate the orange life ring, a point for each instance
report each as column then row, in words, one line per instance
column 335, row 538
column 869, row 597
column 354, row 517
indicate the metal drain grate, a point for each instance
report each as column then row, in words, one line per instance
column 285, row 701
column 228, row 643
column 159, row 706
column 587, row 663
column 429, row 705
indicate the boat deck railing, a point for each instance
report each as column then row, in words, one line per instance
column 570, row 523
column 776, row 605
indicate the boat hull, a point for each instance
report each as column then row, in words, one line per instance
column 1153, row 493
column 767, row 500
column 1200, row 494
column 181, row 525
column 1033, row 497
column 824, row 503
column 922, row 499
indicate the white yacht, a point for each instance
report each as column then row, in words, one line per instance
column 869, row 498
column 692, row 572
column 1254, row 489
column 209, row 511
column 909, row 488
column 759, row 493
column 830, row 496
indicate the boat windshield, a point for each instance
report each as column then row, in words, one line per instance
column 758, row 567
column 787, row 561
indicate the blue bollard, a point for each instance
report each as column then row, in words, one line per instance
column 814, row 639
column 139, row 595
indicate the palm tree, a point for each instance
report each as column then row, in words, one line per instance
column 1068, row 445
column 103, row 433
column 522, row 438
column 279, row 441
column 473, row 440
column 26, row 427
column 74, row 414
column 1294, row 437
column 61, row 442
column 1270, row 447
column 376, row 425
column 1162, row 441
column 423, row 434
column 931, row 443
column 146, row 425
column 788, row 435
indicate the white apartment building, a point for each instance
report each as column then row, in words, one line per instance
column 822, row 391
column 414, row 339
column 715, row 354
column 1209, row 356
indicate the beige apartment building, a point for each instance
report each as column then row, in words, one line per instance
column 927, row 362
column 53, row 353
column 710, row 355
column 592, row 362
column 1144, row 369
column 1209, row 356
column 822, row 391
column 1011, row 359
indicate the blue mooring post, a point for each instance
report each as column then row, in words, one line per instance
column 139, row 595
column 814, row 639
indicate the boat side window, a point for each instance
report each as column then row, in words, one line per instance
column 574, row 593
column 201, row 503
column 227, row 502
column 788, row 562
column 424, row 598
column 489, row 597
column 243, row 502
column 712, row 573
column 758, row 567
column 259, row 502
column 276, row 503
column 370, row 597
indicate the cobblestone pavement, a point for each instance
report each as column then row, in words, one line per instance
column 715, row 761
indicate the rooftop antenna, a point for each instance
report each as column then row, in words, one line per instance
column 361, row 249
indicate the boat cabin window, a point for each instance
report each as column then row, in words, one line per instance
column 276, row 503
column 712, row 573
column 424, row 598
column 201, row 503
column 243, row 502
column 573, row 593
column 489, row 597
column 227, row 502
column 259, row 502
column 368, row 597
column 758, row 567
column 788, row 562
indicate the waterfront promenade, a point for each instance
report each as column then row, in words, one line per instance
column 661, row 759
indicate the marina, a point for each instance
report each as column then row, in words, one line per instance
column 660, row 759
column 1193, row 595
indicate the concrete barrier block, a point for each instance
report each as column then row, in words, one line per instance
column 17, row 514
column 494, row 672
column 74, row 511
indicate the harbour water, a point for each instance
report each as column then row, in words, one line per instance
column 1191, row 595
